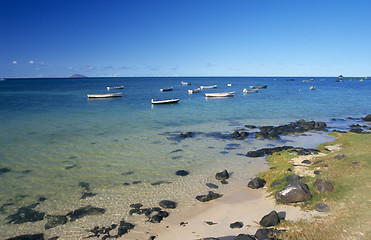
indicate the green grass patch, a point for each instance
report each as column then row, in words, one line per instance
column 350, row 202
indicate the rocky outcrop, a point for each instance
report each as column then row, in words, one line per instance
column 301, row 126
column 367, row 118
column 294, row 192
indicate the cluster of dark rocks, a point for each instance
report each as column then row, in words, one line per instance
column 107, row 232
column 154, row 214
column 290, row 149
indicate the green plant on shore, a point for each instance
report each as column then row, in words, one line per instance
column 350, row 201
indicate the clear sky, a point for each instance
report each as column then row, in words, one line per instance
column 58, row 38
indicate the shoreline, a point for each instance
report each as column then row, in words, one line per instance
column 237, row 205
column 214, row 219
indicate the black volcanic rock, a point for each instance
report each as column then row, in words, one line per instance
column 256, row 183
column 210, row 196
column 222, row 175
column 182, row 173
column 367, row 118
column 269, row 220
column 294, row 192
column 168, row 204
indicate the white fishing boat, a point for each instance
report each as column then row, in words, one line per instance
column 222, row 94
column 312, row 88
column 229, row 84
column 110, row 95
column 249, row 90
column 115, row 88
column 186, row 83
column 165, row 101
column 197, row 90
column 209, row 87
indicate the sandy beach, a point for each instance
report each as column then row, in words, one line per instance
column 243, row 205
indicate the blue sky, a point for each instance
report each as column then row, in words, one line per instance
column 53, row 38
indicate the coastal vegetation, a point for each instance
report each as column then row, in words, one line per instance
column 345, row 164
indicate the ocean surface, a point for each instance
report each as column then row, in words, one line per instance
column 64, row 151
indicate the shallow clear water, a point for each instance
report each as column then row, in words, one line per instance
column 52, row 138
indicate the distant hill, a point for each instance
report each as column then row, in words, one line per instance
column 77, row 76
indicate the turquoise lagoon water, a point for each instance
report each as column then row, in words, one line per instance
column 52, row 138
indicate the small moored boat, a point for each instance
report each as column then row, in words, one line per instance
column 115, row 88
column 312, row 88
column 249, row 90
column 110, row 95
column 166, row 89
column 197, row 90
column 165, row 101
column 222, row 94
column 229, row 84
column 209, row 87
column 186, row 83
column 258, row 86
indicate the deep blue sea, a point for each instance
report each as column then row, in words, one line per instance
column 57, row 145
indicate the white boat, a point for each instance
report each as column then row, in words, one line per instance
column 186, row 83
column 165, row 101
column 249, row 90
column 312, row 88
column 115, row 88
column 197, row 90
column 222, row 94
column 110, row 95
column 229, row 84
column 209, row 87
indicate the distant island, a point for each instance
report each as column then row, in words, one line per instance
column 77, row 76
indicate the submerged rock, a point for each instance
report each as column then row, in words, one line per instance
column 222, row 175
column 212, row 185
column 210, row 196
column 85, row 211
column 26, row 214
column 55, row 220
column 168, row 204
column 182, row 173
column 294, row 192
column 38, row 236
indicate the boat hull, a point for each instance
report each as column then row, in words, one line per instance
column 115, row 88
column 105, row 95
column 165, row 101
column 217, row 95
column 209, row 87
column 258, row 86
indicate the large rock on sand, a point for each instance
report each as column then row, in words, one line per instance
column 269, row 220
column 256, row 183
column 294, row 192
